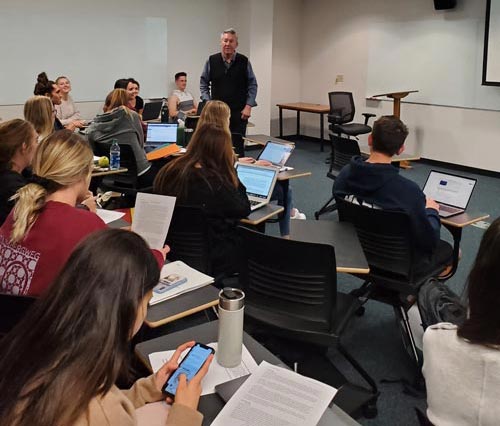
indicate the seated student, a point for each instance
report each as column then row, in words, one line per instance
column 39, row 111
column 61, row 362
column 119, row 122
column 180, row 100
column 205, row 176
column 18, row 141
column 44, row 226
column 462, row 364
column 131, row 86
column 219, row 113
column 67, row 111
column 376, row 182
column 46, row 87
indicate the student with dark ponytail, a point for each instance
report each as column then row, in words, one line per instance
column 60, row 363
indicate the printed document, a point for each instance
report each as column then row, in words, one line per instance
column 152, row 216
column 275, row 396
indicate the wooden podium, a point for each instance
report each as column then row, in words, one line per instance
column 397, row 96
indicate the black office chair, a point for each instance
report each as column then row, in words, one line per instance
column 238, row 144
column 342, row 113
column 188, row 238
column 342, row 151
column 125, row 183
column 12, row 310
column 290, row 299
column 390, row 248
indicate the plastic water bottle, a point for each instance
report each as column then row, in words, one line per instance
column 230, row 341
column 114, row 155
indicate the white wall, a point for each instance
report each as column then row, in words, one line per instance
column 335, row 40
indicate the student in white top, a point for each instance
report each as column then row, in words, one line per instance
column 67, row 111
column 181, row 101
column 462, row 364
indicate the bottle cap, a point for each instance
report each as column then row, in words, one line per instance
column 231, row 299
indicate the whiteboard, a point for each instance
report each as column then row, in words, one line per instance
column 492, row 51
column 92, row 50
column 440, row 58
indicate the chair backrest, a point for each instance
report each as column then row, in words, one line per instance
column 12, row 310
column 127, row 160
column 238, row 144
column 341, row 107
column 343, row 150
column 188, row 238
column 288, row 284
column 385, row 236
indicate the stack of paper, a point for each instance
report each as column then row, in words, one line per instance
column 194, row 279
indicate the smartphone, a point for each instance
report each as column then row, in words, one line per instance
column 169, row 282
column 189, row 366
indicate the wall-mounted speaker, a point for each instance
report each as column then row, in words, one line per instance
column 444, row 4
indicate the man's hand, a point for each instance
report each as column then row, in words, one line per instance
column 431, row 204
column 246, row 112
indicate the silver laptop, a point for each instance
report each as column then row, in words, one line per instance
column 159, row 134
column 451, row 192
column 151, row 110
column 277, row 153
column 259, row 182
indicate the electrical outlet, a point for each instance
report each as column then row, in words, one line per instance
column 339, row 78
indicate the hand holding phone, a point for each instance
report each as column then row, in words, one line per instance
column 193, row 362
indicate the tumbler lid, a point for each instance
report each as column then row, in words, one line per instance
column 231, row 299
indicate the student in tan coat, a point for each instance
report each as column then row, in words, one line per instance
column 60, row 363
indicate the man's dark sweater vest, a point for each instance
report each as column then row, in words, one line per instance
column 229, row 85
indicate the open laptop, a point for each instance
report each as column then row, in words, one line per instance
column 259, row 182
column 151, row 110
column 159, row 134
column 277, row 153
column 452, row 192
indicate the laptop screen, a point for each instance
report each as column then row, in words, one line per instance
column 161, row 133
column 276, row 153
column 449, row 189
column 257, row 180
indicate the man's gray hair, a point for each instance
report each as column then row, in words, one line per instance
column 231, row 31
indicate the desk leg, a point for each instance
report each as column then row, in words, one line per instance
column 298, row 123
column 321, row 130
column 281, row 122
column 457, row 237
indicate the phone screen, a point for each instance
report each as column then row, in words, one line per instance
column 189, row 366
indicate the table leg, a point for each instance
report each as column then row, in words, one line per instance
column 298, row 123
column 456, row 233
column 321, row 130
column 281, row 122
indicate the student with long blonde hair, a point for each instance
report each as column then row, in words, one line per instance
column 40, row 112
column 61, row 362
column 66, row 111
column 205, row 176
column 18, row 140
column 44, row 226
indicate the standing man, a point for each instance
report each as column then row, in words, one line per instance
column 228, row 77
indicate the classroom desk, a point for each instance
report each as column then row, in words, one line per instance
column 455, row 225
column 261, row 139
column 257, row 218
column 349, row 254
column 182, row 306
column 305, row 107
column 210, row 405
column 99, row 173
column 398, row 159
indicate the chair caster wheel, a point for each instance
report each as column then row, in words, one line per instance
column 360, row 311
column 370, row 411
column 316, row 215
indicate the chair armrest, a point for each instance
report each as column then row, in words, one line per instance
column 367, row 116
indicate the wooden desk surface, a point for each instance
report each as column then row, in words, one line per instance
column 262, row 139
column 182, row 306
column 306, row 107
column 109, row 172
column 261, row 215
column 464, row 219
column 341, row 235
column 396, row 159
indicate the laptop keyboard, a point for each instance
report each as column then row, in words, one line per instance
column 449, row 209
column 254, row 202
